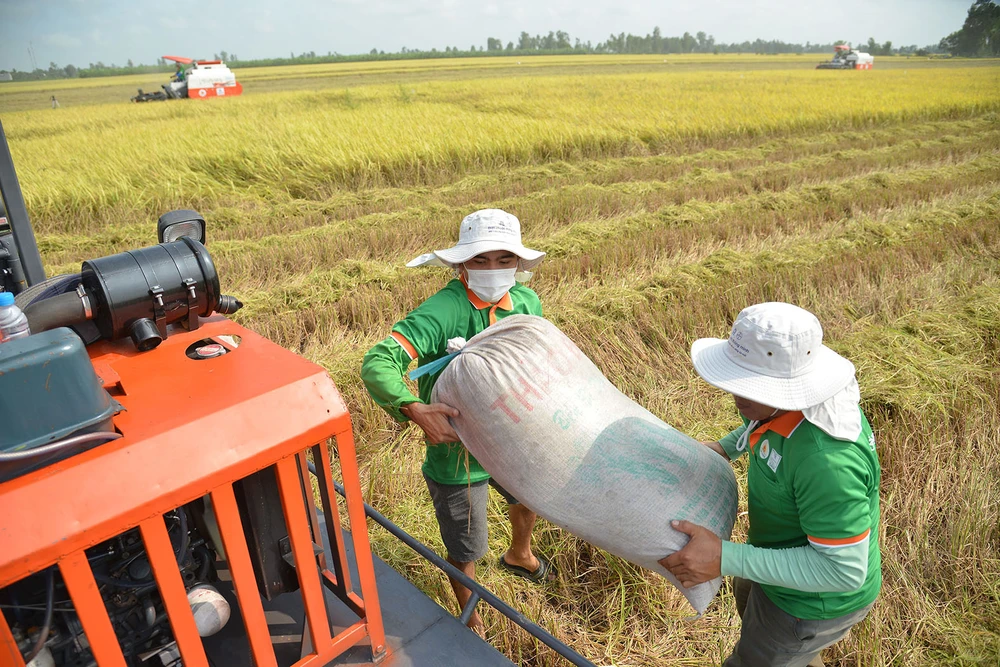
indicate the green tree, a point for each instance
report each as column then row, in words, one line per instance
column 980, row 34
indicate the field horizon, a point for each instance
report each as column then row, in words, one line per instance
column 668, row 196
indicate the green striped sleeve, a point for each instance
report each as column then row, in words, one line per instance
column 812, row 569
column 382, row 372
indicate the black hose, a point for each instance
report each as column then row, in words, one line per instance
column 185, row 538
column 206, row 563
column 50, row 598
column 58, row 311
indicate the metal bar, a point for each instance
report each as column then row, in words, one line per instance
column 470, row 606
column 307, row 498
column 302, row 549
column 227, row 516
column 331, row 516
column 17, row 216
column 529, row 626
column 90, row 608
column 168, row 578
column 352, row 600
column 9, row 653
column 346, row 639
column 362, row 548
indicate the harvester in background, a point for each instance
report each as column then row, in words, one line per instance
column 202, row 80
column 159, row 467
column 844, row 57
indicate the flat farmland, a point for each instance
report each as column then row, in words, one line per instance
column 668, row 194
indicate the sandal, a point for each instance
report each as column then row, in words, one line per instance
column 545, row 572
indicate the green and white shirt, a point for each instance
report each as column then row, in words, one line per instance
column 814, row 517
column 454, row 311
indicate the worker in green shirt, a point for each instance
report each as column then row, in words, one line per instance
column 489, row 262
column 811, row 568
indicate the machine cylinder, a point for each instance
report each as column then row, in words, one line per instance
column 163, row 284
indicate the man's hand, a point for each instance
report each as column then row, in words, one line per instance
column 701, row 558
column 433, row 420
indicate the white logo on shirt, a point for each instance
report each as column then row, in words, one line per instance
column 773, row 460
column 765, row 449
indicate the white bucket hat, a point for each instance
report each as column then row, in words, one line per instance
column 774, row 356
column 483, row 231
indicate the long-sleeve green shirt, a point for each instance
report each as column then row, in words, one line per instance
column 423, row 336
column 814, row 517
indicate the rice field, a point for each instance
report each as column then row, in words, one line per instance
column 668, row 196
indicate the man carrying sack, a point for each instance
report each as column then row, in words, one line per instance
column 488, row 261
column 811, row 568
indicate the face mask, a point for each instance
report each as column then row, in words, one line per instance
column 490, row 284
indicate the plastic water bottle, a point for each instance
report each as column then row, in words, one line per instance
column 13, row 323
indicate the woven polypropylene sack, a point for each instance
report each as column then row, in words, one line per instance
column 549, row 427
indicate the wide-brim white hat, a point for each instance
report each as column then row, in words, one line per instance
column 487, row 230
column 774, row 356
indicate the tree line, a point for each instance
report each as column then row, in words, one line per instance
column 979, row 36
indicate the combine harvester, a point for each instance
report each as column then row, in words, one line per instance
column 846, row 58
column 204, row 79
column 157, row 472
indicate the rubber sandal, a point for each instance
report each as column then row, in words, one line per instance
column 545, row 572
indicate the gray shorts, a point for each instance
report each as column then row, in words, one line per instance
column 461, row 516
column 770, row 637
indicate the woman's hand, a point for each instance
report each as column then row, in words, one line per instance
column 433, row 420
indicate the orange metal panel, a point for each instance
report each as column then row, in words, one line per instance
column 191, row 428
column 168, row 578
column 257, row 404
column 359, row 530
column 228, row 517
column 302, row 549
column 90, row 608
column 10, row 656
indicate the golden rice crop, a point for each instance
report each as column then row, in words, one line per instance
column 669, row 196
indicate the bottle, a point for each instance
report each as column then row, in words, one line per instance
column 13, row 323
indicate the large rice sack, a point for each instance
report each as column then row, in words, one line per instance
column 550, row 428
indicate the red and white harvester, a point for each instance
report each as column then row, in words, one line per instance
column 844, row 57
column 202, row 80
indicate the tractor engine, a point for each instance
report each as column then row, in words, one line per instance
column 46, row 626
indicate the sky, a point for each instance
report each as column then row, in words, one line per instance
column 81, row 32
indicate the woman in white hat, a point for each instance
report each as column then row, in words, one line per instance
column 811, row 568
column 489, row 260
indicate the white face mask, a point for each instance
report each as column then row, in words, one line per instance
column 490, row 284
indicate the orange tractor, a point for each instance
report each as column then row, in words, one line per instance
column 158, row 470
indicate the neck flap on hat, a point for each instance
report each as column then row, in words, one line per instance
column 839, row 416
